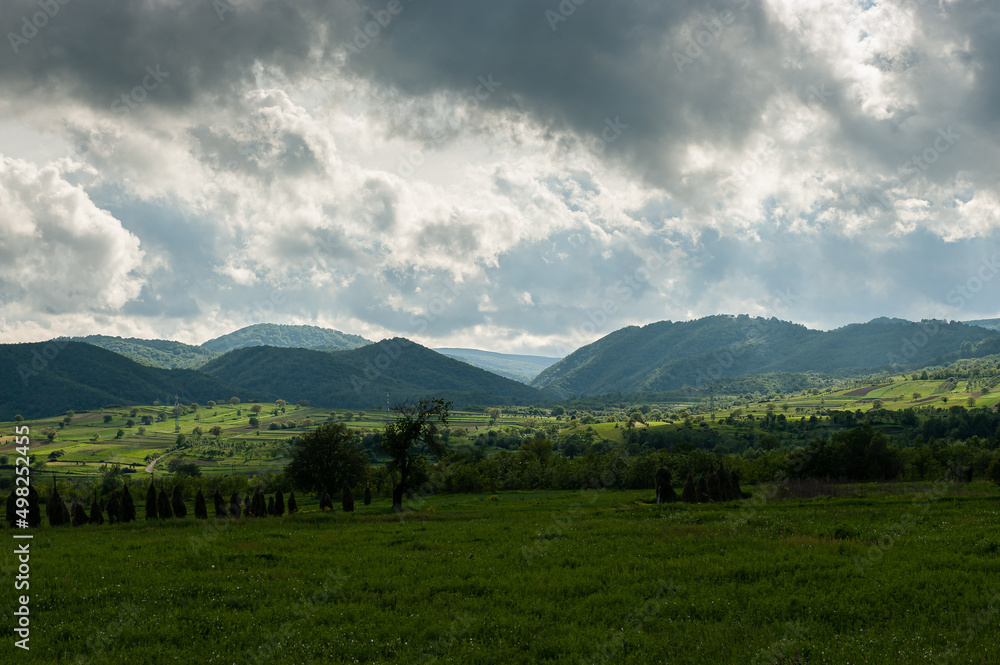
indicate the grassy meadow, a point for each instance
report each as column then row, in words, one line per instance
column 907, row 574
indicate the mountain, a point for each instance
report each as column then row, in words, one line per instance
column 292, row 337
column 153, row 352
column 46, row 378
column 517, row 367
column 666, row 356
column 360, row 378
column 992, row 324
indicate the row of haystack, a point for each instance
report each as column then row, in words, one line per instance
column 346, row 499
column 716, row 486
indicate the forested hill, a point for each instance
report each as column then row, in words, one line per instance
column 294, row 337
column 153, row 352
column 360, row 378
column 665, row 355
column 46, row 378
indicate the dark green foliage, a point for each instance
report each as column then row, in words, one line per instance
column 234, row 506
column 347, row 499
column 151, row 502
column 154, row 352
column 34, row 507
column 701, row 490
column 55, row 510
column 329, row 455
column 163, row 505
column 200, row 509
column 11, row 505
column 325, row 502
column 663, row 484
column 114, row 509
column 126, row 509
column 78, row 514
column 87, row 377
column 220, row 504
column 270, row 506
column 325, row 378
column 177, row 503
column 414, row 429
column 258, row 506
column 737, row 491
column 96, row 514
column 293, row 507
column 667, row 356
column 368, row 495
column 279, row 503
column 297, row 337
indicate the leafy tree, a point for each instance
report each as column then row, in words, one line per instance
column 234, row 400
column 18, row 419
column 254, row 421
column 329, row 455
column 256, row 409
column 108, row 419
column 413, row 432
column 215, row 431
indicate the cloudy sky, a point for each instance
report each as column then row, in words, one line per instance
column 519, row 176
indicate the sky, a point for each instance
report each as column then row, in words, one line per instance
column 522, row 176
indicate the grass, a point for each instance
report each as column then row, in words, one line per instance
column 532, row 577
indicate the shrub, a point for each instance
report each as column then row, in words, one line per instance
column 151, row 502
column 347, row 499
column 200, row 509
column 177, row 502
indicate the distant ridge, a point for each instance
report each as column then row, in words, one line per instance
column 521, row 368
column 360, row 378
column 286, row 336
column 992, row 324
column 162, row 353
column 666, row 356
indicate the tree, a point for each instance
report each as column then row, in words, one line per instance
column 256, row 409
column 108, row 419
column 413, row 432
column 234, row 400
column 328, row 456
column 19, row 418
column 216, row 431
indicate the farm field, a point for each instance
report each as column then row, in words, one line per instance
column 906, row 574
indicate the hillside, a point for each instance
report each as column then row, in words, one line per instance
column 665, row 356
column 43, row 378
column 162, row 353
column 360, row 378
column 292, row 337
column 518, row 367
column 992, row 324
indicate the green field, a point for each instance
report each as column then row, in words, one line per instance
column 895, row 574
